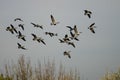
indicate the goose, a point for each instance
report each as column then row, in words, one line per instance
column 39, row 39
column 71, row 43
column 88, row 13
column 53, row 20
column 67, row 53
column 22, row 26
column 91, row 27
column 21, row 47
column 37, row 25
column 21, row 36
column 51, row 34
column 76, row 31
column 18, row 19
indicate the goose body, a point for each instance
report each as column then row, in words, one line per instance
column 10, row 29
column 76, row 30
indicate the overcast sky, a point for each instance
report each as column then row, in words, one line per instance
column 94, row 53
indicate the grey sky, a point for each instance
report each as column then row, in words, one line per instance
column 94, row 53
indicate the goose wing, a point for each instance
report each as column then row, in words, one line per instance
column 21, row 25
column 34, row 35
column 23, row 38
column 92, row 25
column 70, row 28
column 92, row 30
column 43, row 42
column 18, row 19
column 13, row 28
column 52, row 18
column 89, row 15
column 20, row 34
column 19, row 45
column 33, row 24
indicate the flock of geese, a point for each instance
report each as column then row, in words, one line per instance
column 74, row 33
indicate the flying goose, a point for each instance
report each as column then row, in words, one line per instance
column 22, row 26
column 18, row 19
column 37, row 25
column 51, row 34
column 11, row 28
column 91, row 27
column 39, row 39
column 71, row 43
column 88, row 13
column 67, row 53
column 21, row 36
column 76, row 31
column 21, row 47
column 53, row 20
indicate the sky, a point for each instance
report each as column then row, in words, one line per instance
column 94, row 53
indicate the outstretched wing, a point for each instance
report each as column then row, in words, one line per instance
column 89, row 15
column 21, row 25
column 92, row 30
column 70, row 28
column 92, row 24
column 13, row 28
column 52, row 18
column 43, row 42
column 19, row 44
column 33, row 24
column 20, row 34
column 18, row 19
column 34, row 35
